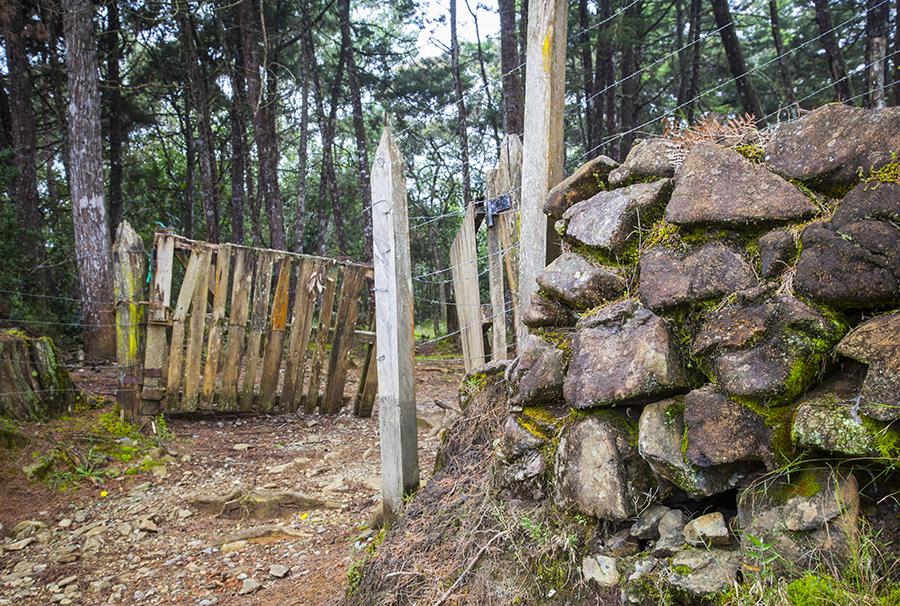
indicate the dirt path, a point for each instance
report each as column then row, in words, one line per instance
column 136, row 539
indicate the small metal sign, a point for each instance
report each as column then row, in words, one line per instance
column 494, row 206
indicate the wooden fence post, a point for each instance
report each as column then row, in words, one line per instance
column 156, row 356
column 495, row 272
column 509, row 179
column 542, row 157
column 394, row 326
column 464, row 271
column 129, row 271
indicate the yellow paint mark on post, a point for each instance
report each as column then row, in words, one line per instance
column 546, row 49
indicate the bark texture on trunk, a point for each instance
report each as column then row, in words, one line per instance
column 833, row 54
column 92, row 239
column 736, row 64
column 302, row 164
column 784, row 62
column 511, row 67
column 21, row 116
column 114, row 113
column 460, row 107
column 877, row 27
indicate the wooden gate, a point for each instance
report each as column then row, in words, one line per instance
column 238, row 329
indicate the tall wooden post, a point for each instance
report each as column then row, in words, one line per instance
column 129, row 271
column 509, row 178
column 495, row 272
column 542, row 158
column 394, row 325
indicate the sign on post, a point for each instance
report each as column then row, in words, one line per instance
column 394, row 325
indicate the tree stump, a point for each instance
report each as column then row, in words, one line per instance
column 34, row 384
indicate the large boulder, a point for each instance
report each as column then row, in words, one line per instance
column 541, row 370
column 575, row 281
column 826, row 147
column 661, row 442
column 589, row 179
column 669, row 278
column 875, row 343
column 717, row 186
column 623, row 354
column 598, row 470
column 542, row 312
column 802, row 515
column 648, row 159
column 770, row 349
column 721, row 431
column 33, row 379
column 609, row 220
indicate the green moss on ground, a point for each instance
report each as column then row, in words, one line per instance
column 11, row 435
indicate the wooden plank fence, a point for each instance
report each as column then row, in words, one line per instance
column 238, row 337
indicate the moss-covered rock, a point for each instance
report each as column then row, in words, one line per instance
column 827, row 423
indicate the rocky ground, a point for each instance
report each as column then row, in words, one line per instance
column 147, row 538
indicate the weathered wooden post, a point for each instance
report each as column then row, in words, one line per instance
column 129, row 270
column 543, row 154
column 394, row 325
column 464, row 271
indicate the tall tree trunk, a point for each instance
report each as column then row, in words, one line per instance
column 693, row 88
column 737, row 65
column 482, row 70
column 681, row 51
column 199, row 103
column 23, row 142
column 784, row 61
column 631, row 63
column 266, row 149
column 302, row 163
column 190, row 162
column 896, row 54
column 877, row 26
column 114, row 116
column 842, row 88
column 238, row 127
column 359, row 127
column 92, row 240
column 513, row 103
column 460, row 107
column 587, row 73
column 5, row 122
column 604, row 120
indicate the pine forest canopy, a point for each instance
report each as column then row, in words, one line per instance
column 255, row 122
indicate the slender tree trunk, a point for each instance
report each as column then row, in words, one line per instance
column 187, row 207
column 694, row 82
column 784, row 61
column 896, row 54
column 513, row 103
column 605, row 75
column 266, row 150
column 198, row 96
column 631, row 63
column 482, row 70
column 682, row 64
column 587, row 73
column 737, row 65
column 359, row 127
column 842, row 88
column 92, row 240
column 114, row 116
column 302, row 162
column 460, row 106
column 5, row 122
column 23, row 142
column 877, row 26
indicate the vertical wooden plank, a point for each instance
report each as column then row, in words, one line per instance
column 214, row 344
column 304, row 303
column 509, row 179
column 315, row 375
column 342, row 341
column 495, row 274
column 237, row 328
column 129, row 269
column 176, row 347
column 394, row 326
column 368, row 386
column 265, row 261
column 464, row 261
column 194, row 355
column 155, row 359
column 545, row 74
column 271, row 365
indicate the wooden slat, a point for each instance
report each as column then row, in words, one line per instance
column 509, row 177
column 237, row 328
column 464, row 264
column 312, row 393
column 368, row 384
column 268, row 384
column 304, row 304
column 495, row 274
column 342, row 341
column 259, row 308
column 155, row 358
column 214, row 344
column 197, row 326
column 176, row 347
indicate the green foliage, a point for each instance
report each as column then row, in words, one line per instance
column 888, row 173
column 752, row 151
column 11, row 435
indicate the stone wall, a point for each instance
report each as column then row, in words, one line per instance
column 716, row 352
